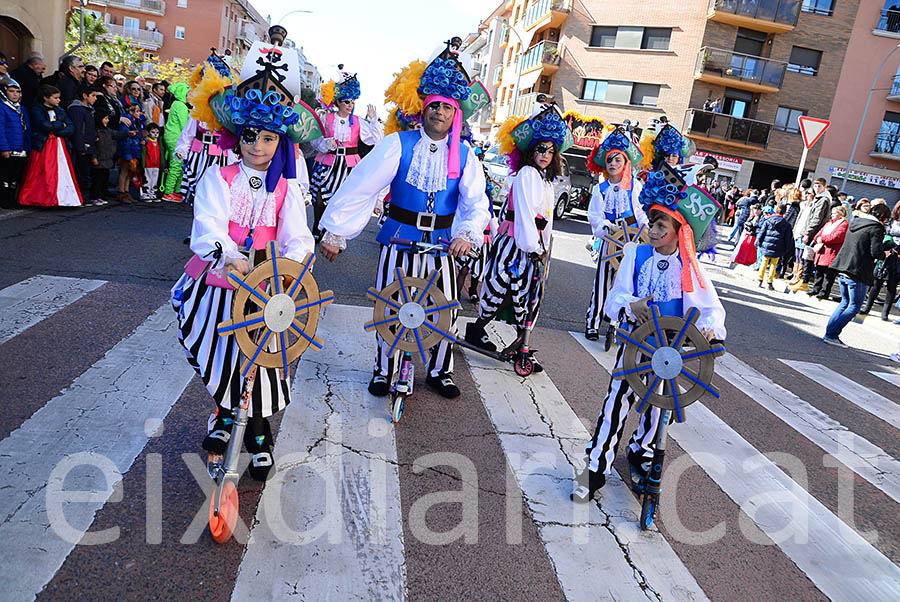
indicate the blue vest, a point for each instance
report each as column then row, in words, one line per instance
column 409, row 197
column 672, row 307
column 629, row 212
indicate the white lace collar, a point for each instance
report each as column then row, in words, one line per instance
column 660, row 276
column 615, row 199
column 251, row 208
column 428, row 168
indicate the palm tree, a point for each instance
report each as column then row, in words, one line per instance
column 94, row 29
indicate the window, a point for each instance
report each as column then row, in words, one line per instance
column 603, row 37
column 786, row 119
column 179, row 32
column 656, row 38
column 151, row 25
column 645, row 95
column 633, row 38
column 818, row 7
column 182, row 3
column 594, row 90
column 131, row 23
column 804, row 60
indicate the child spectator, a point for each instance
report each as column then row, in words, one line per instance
column 81, row 111
column 105, row 151
column 152, row 159
column 49, row 179
column 15, row 142
column 130, row 153
column 772, row 238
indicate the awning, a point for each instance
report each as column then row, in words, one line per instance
column 527, row 80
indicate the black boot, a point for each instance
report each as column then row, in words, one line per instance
column 216, row 441
column 587, row 483
column 258, row 441
column 477, row 336
column 379, row 385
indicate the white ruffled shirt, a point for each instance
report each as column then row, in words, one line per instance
column 370, row 132
column 532, row 196
column 216, row 204
column 614, row 198
column 665, row 287
column 349, row 210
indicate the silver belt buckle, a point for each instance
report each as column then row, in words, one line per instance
column 340, row 151
column 425, row 218
column 208, row 139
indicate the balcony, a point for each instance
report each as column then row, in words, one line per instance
column 888, row 24
column 524, row 104
column 743, row 71
column 887, row 146
column 546, row 13
column 720, row 128
column 498, row 75
column 150, row 40
column 894, row 92
column 770, row 16
column 151, row 7
column 544, row 56
column 504, row 35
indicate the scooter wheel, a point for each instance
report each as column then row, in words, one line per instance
column 397, row 408
column 610, row 337
column 524, row 366
column 221, row 527
column 648, row 512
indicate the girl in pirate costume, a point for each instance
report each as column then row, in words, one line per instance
column 514, row 267
column 664, row 273
column 437, row 191
column 237, row 211
column 338, row 151
column 616, row 198
column 663, row 143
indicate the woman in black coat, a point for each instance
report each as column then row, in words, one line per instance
column 855, row 263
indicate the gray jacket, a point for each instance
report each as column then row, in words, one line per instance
column 818, row 215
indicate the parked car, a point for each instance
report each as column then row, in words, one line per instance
column 499, row 171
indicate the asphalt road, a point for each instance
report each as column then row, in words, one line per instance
column 734, row 529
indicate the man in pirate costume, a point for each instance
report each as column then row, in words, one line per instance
column 513, row 274
column 238, row 209
column 437, row 191
column 616, row 198
column 664, row 273
column 338, row 152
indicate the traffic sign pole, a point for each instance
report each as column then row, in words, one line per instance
column 802, row 164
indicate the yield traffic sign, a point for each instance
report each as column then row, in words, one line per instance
column 812, row 129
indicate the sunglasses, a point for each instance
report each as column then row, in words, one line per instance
column 543, row 149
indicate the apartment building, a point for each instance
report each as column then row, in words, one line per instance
column 875, row 170
column 734, row 75
column 483, row 47
column 181, row 30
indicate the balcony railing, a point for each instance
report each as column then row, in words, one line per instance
column 542, row 53
column 541, row 8
column 157, row 7
column 504, row 35
column 782, row 14
column 734, row 131
column 740, row 70
column 142, row 37
column 524, row 104
column 889, row 21
column 894, row 92
column 887, row 146
column 498, row 73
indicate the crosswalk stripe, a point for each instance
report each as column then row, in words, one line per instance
column 597, row 550
column 24, row 304
column 840, row 562
column 870, row 401
column 859, row 455
column 890, row 377
column 329, row 520
column 105, row 418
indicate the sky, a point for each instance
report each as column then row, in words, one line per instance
column 373, row 39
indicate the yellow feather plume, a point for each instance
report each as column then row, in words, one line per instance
column 504, row 134
column 202, row 89
column 392, row 124
column 327, row 92
column 646, row 146
column 404, row 90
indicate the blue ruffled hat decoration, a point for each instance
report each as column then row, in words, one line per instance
column 658, row 191
column 348, row 89
column 265, row 112
column 552, row 128
column 445, row 77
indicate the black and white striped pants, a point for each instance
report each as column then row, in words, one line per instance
column 620, row 397
column 509, row 272
column 195, row 167
column 603, row 281
column 418, row 266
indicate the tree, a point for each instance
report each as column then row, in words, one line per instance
column 121, row 52
column 93, row 49
column 308, row 95
column 169, row 71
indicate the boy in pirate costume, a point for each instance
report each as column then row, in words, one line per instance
column 513, row 271
column 667, row 274
column 338, row 151
column 437, row 191
column 237, row 211
column 616, row 198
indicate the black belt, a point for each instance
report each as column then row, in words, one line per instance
column 344, row 150
column 540, row 222
column 427, row 222
column 207, row 138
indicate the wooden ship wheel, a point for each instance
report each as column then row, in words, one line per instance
column 624, row 239
column 275, row 311
column 668, row 362
column 401, row 312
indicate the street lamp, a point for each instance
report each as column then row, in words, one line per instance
column 299, row 10
column 863, row 118
column 518, row 62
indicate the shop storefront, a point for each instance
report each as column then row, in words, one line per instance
column 863, row 184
